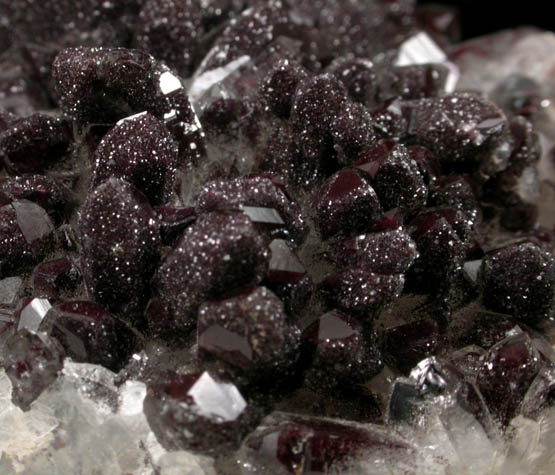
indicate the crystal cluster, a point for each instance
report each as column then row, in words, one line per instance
column 274, row 237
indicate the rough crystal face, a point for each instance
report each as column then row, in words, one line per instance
column 520, row 280
column 441, row 254
column 263, row 198
column 388, row 252
column 139, row 149
column 250, row 333
column 361, row 291
column 216, row 254
column 56, row 278
column 173, row 221
column 48, row 192
column 359, row 78
column 32, row 361
column 89, row 334
column 120, row 241
column 457, row 127
column 353, row 133
column 317, row 102
column 395, row 177
column 289, row 443
column 33, row 144
column 102, row 85
column 458, row 192
column 26, row 233
column 337, row 354
column 198, row 412
column 9, row 290
column 167, row 22
column 279, row 86
column 346, row 204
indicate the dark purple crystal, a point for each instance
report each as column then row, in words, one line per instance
column 139, row 149
column 507, row 371
column 218, row 253
column 336, row 353
column 361, row 291
column 35, row 143
column 290, row 443
column 456, row 127
column 346, row 205
column 250, row 333
column 407, row 344
column 519, row 279
column 121, row 246
column 198, row 412
column 395, row 177
column 263, row 198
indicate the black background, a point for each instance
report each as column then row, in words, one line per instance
column 484, row 16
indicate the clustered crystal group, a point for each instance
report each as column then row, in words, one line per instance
column 271, row 237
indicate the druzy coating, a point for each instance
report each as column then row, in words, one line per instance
column 347, row 204
column 520, row 280
column 121, row 246
column 337, row 354
column 220, row 252
column 139, row 149
column 250, row 333
column 33, row 144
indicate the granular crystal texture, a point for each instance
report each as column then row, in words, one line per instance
column 198, row 412
column 353, row 133
column 139, row 149
column 32, row 361
column 216, row 254
column 520, row 280
column 280, row 85
column 395, row 177
column 33, row 144
column 337, row 354
column 264, row 198
column 171, row 31
column 456, row 127
column 388, row 252
column 347, row 204
column 316, row 104
column 250, row 333
column 120, row 241
column 102, row 85
column 361, row 291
